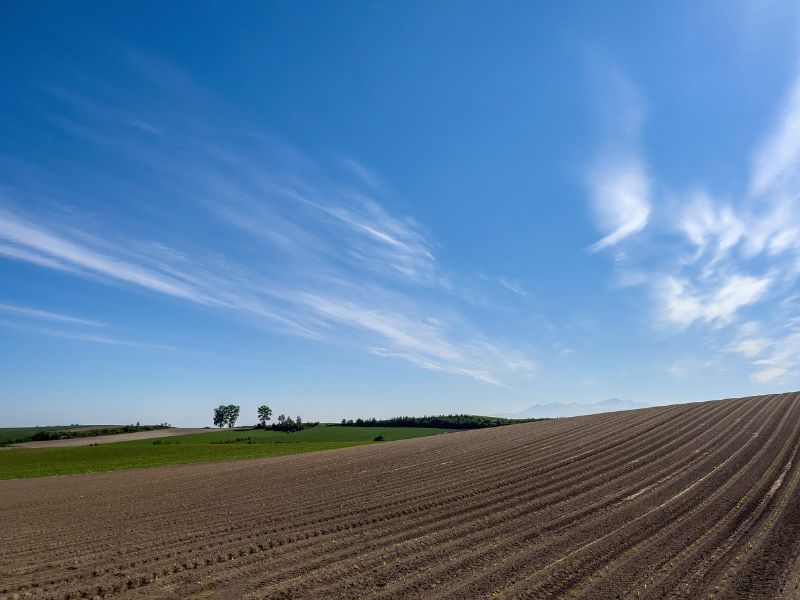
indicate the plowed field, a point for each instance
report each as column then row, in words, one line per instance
column 686, row 501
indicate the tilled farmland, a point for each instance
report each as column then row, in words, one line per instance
column 686, row 501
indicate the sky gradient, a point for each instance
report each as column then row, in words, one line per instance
column 370, row 209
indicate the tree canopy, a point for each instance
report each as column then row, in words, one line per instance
column 226, row 414
column 264, row 414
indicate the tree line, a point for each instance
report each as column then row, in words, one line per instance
column 441, row 421
column 226, row 415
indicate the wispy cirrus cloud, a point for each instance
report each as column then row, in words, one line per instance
column 82, row 336
column 46, row 315
column 41, row 322
column 249, row 228
column 618, row 180
column 30, row 242
column 777, row 159
column 514, row 287
column 315, row 305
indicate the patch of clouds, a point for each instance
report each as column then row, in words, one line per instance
column 776, row 355
column 318, row 305
column 712, row 228
column 682, row 305
column 749, row 340
column 724, row 265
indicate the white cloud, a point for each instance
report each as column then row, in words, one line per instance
column 46, row 315
column 777, row 159
column 681, row 305
column 46, row 248
column 620, row 197
column 630, row 278
column 769, row 374
column 712, row 261
column 83, row 336
column 21, row 254
column 363, row 173
column 707, row 223
column 775, row 356
column 749, row 341
column 619, row 183
column 780, row 361
column 513, row 286
column 246, row 227
column 423, row 341
column 682, row 368
column 329, row 270
column 771, row 225
column 289, row 204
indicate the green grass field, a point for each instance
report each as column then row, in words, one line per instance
column 9, row 435
column 39, row 462
column 329, row 433
column 200, row 447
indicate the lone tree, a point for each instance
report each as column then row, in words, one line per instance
column 226, row 414
column 264, row 415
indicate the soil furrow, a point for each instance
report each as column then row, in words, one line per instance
column 672, row 502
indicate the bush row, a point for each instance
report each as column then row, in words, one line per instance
column 442, row 421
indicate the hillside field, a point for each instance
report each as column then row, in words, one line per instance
column 690, row 501
column 228, row 444
column 323, row 433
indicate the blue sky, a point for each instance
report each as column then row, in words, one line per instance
column 354, row 209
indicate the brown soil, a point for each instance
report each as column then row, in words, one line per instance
column 110, row 439
column 686, row 501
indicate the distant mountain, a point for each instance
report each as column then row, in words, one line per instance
column 574, row 409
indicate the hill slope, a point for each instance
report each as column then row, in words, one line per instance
column 668, row 502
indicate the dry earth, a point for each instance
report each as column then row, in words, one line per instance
column 110, row 439
column 686, row 501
